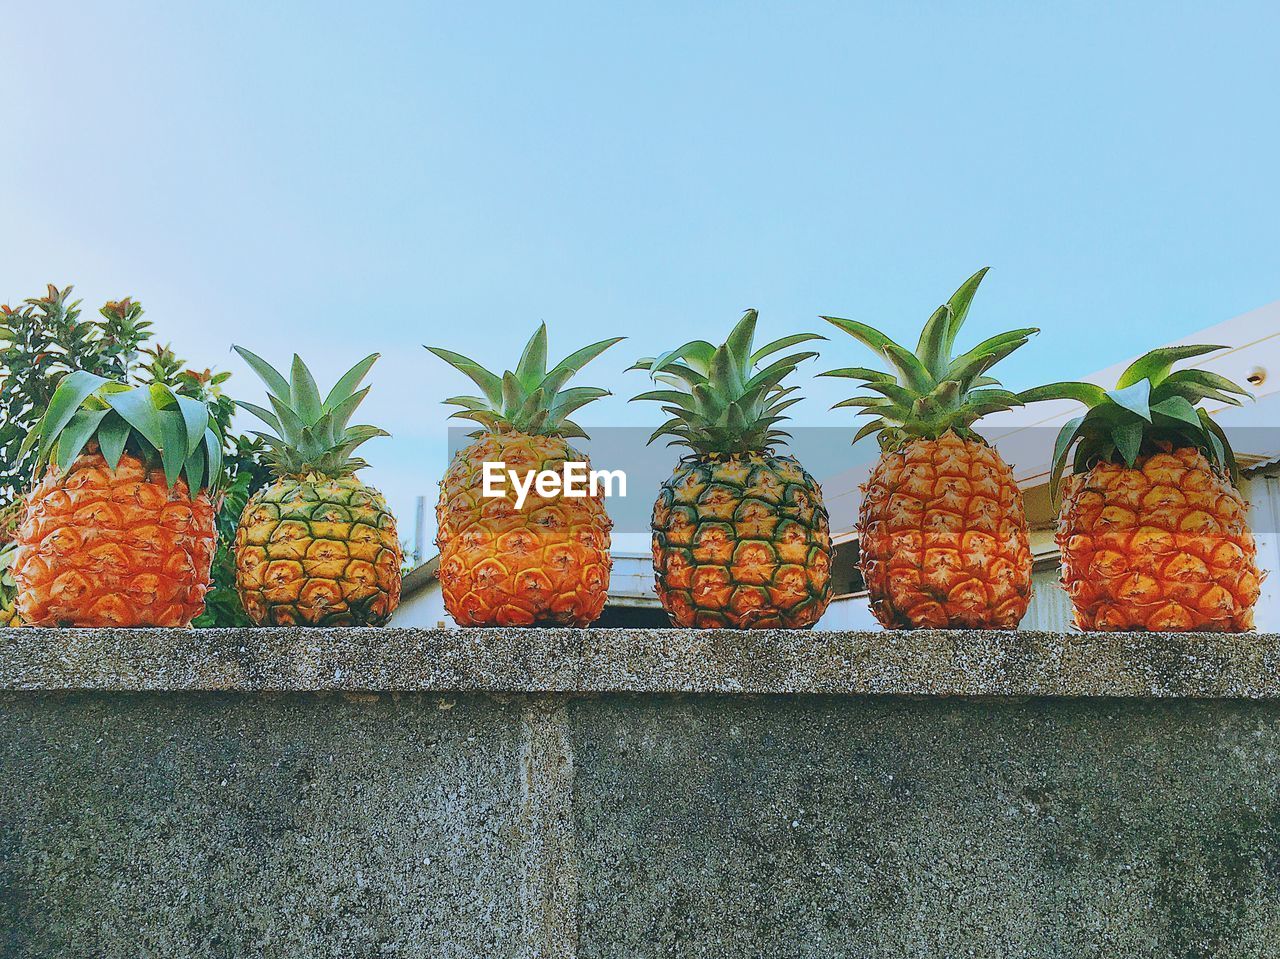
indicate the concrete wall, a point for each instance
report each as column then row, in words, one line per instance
column 373, row 793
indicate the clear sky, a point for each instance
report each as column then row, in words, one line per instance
column 343, row 178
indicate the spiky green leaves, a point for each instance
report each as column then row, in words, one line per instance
column 529, row 399
column 725, row 399
column 311, row 434
column 150, row 421
column 930, row 391
column 1151, row 408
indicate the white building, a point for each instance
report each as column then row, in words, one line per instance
column 1024, row 438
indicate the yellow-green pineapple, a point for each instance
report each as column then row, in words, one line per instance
column 317, row 547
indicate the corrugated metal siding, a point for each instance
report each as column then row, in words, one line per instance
column 1263, row 493
column 849, row 612
column 1050, row 607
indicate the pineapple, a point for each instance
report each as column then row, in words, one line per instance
column 316, row 547
column 942, row 530
column 740, row 533
column 1152, row 528
column 547, row 562
column 119, row 530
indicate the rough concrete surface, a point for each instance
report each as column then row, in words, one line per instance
column 752, row 795
column 771, row 827
column 226, row 826
column 937, row 662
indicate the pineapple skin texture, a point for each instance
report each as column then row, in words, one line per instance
column 742, row 542
column 318, row 551
column 1161, row 546
column 943, row 538
column 104, row 548
column 545, row 564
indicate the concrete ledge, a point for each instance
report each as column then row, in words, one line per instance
column 609, row 794
column 928, row 663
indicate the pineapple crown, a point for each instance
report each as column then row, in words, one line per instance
column 722, row 401
column 311, row 434
column 152, row 421
column 528, row 399
column 933, row 392
column 1152, row 408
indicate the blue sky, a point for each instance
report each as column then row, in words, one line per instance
column 339, row 179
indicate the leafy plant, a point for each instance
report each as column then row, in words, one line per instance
column 932, row 391
column 151, row 420
column 527, row 399
column 311, row 434
column 1151, row 408
column 721, row 398
column 41, row 341
column 247, row 472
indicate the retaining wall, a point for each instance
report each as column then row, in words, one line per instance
column 562, row 793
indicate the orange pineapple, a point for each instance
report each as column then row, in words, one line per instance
column 942, row 530
column 547, row 562
column 944, row 537
column 1153, row 530
column 112, row 535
